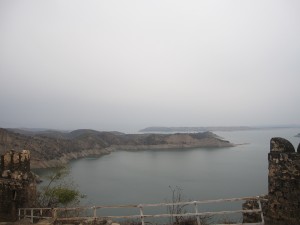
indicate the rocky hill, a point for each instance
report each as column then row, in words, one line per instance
column 50, row 148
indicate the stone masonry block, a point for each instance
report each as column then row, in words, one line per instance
column 281, row 145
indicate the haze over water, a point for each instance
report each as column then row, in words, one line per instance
column 125, row 65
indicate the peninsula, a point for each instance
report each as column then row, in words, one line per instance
column 51, row 148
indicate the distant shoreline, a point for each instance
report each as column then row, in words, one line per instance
column 53, row 148
column 97, row 153
column 159, row 129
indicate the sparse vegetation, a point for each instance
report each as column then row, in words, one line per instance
column 59, row 191
column 176, row 197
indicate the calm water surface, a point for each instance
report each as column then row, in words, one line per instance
column 144, row 177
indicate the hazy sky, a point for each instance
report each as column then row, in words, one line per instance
column 125, row 65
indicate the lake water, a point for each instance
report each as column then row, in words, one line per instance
column 144, row 177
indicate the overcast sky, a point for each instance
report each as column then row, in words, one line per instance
column 125, row 65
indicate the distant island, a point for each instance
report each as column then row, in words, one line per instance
column 50, row 148
column 211, row 128
column 298, row 135
column 193, row 129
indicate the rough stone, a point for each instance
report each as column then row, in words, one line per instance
column 6, row 174
column 46, row 222
column 282, row 204
column 251, row 217
column 17, row 184
column 24, row 221
column 284, row 183
column 281, row 145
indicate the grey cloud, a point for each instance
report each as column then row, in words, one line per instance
column 124, row 65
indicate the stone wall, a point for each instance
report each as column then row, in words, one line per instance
column 281, row 206
column 284, row 182
column 16, row 161
column 17, row 184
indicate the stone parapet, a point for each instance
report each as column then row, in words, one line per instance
column 284, row 182
column 17, row 184
column 15, row 161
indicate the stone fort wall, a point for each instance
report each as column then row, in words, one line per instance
column 281, row 206
column 17, row 185
column 283, row 182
